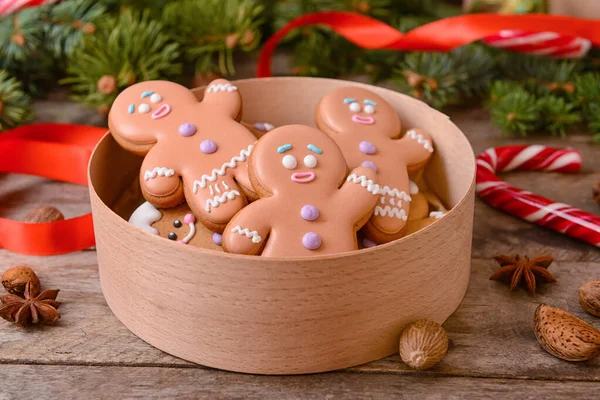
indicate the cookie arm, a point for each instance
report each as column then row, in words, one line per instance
column 247, row 232
column 415, row 147
column 359, row 194
column 223, row 97
column 160, row 181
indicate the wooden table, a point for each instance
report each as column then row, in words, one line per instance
column 493, row 351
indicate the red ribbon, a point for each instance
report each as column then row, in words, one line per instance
column 441, row 35
column 54, row 151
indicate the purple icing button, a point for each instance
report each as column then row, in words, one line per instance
column 312, row 240
column 369, row 164
column 208, row 147
column 309, row 213
column 187, row 129
column 217, row 238
column 367, row 147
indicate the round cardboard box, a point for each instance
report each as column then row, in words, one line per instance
column 285, row 316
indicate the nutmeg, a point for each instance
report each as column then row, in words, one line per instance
column 589, row 297
column 423, row 344
column 43, row 214
column 564, row 335
column 15, row 279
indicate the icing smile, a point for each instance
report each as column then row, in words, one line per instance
column 162, row 111
column 303, row 177
column 363, row 120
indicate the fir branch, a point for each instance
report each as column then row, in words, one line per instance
column 558, row 114
column 125, row 49
column 593, row 119
column 21, row 36
column 514, row 111
column 324, row 54
column 587, row 88
column 14, row 103
column 214, row 28
column 67, row 23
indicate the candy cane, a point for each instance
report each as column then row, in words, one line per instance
column 526, row 205
column 10, row 6
column 540, row 43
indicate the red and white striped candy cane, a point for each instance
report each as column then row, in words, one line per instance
column 10, row 6
column 526, row 205
column 540, row 43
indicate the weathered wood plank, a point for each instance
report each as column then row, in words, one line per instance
column 46, row 382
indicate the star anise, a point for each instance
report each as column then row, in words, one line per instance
column 36, row 308
column 522, row 270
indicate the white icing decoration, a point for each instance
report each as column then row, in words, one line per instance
column 310, row 161
column 221, row 87
column 144, row 108
column 393, row 202
column 221, row 171
column 156, row 98
column 420, row 139
column 371, row 186
column 212, row 191
column 249, row 234
column 268, row 127
column 191, row 234
column 414, row 189
column 382, row 199
column 158, row 171
column 354, row 107
column 218, row 200
column 225, row 185
column 391, row 211
column 437, row 214
column 217, row 188
column 369, row 109
column 289, row 161
column 144, row 216
column 402, row 195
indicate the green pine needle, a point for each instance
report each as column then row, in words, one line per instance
column 558, row 114
column 14, row 103
column 21, row 36
column 129, row 48
column 517, row 111
column 211, row 29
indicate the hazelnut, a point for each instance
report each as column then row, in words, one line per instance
column 15, row 279
column 423, row 344
column 564, row 335
column 589, row 297
column 43, row 214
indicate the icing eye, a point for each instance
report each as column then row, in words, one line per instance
column 144, row 108
column 310, row 161
column 172, row 236
column 369, row 109
column 177, row 223
column 354, row 107
column 156, row 98
column 289, row 161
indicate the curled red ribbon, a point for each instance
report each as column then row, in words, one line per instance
column 441, row 35
column 53, row 151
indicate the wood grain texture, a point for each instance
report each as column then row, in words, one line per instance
column 490, row 334
column 42, row 382
column 298, row 316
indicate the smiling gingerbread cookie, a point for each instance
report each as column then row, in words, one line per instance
column 177, row 224
column 307, row 206
column 192, row 149
column 368, row 131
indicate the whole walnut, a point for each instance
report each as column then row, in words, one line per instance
column 14, row 280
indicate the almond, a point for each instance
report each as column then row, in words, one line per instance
column 43, row 214
column 15, row 279
column 589, row 297
column 564, row 335
column 423, row 344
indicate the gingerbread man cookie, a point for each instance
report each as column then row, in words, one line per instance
column 192, row 149
column 368, row 131
column 307, row 206
column 177, row 224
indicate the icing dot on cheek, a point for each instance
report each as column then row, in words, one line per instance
column 144, row 108
column 354, row 107
column 310, row 161
column 289, row 161
column 367, row 147
column 187, row 129
column 309, row 212
column 312, row 240
column 208, row 147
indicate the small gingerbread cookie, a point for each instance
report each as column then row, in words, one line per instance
column 368, row 131
column 307, row 206
column 177, row 224
column 192, row 149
